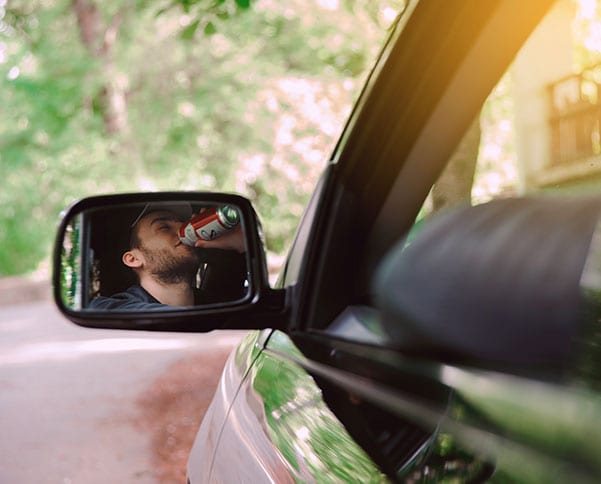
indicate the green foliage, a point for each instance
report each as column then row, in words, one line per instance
column 227, row 95
column 208, row 14
column 71, row 265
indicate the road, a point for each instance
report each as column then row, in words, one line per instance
column 68, row 393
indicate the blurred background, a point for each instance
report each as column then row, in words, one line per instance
column 220, row 95
column 245, row 96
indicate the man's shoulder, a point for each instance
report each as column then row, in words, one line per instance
column 132, row 299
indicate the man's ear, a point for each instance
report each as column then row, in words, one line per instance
column 132, row 258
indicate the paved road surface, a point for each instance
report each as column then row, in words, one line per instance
column 67, row 396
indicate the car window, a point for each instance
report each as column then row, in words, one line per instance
column 539, row 130
column 430, row 83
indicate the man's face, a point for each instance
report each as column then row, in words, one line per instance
column 162, row 253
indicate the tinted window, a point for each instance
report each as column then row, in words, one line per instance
column 539, row 130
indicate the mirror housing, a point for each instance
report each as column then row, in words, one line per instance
column 259, row 306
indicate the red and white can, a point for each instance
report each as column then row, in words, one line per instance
column 209, row 224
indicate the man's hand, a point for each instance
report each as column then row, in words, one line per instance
column 231, row 240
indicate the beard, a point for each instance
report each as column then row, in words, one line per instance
column 168, row 268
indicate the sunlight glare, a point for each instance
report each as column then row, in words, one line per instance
column 587, row 8
column 329, row 4
column 13, row 73
column 147, row 185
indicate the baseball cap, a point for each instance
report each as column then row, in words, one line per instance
column 183, row 210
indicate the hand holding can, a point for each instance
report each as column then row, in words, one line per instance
column 209, row 225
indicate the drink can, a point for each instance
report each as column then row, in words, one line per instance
column 209, row 224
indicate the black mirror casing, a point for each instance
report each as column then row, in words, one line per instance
column 261, row 307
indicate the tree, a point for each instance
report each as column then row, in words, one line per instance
column 454, row 186
column 190, row 95
column 99, row 40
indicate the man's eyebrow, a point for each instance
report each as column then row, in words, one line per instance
column 164, row 218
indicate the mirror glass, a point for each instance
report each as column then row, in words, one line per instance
column 153, row 256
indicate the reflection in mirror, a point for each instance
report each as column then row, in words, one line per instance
column 71, row 264
column 153, row 256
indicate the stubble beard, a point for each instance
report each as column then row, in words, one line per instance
column 167, row 268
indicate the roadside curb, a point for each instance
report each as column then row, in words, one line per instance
column 21, row 290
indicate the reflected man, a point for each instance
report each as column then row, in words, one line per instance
column 167, row 270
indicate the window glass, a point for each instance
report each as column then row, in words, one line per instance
column 538, row 134
column 539, row 130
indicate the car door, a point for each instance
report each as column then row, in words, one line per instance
column 386, row 411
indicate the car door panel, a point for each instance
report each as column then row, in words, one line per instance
column 209, row 435
column 280, row 430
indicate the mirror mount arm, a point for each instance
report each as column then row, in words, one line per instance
column 271, row 312
column 275, row 299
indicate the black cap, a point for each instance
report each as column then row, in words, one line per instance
column 183, row 210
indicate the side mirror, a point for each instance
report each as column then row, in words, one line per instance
column 164, row 261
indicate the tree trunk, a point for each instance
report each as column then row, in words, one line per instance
column 454, row 186
column 100, row 41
